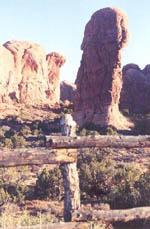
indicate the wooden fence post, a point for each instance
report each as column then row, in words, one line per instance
column 71, row 188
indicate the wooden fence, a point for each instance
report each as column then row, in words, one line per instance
column 64, row 151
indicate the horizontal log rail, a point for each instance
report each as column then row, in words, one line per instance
column 36, row 156
column 122, row 215
column 59, row 142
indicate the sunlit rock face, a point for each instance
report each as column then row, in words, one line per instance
column 27, row 75
column 99, row 78
column 135, row 94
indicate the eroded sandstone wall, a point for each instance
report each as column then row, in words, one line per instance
column 27, row 75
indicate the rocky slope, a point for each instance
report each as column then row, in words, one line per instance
column 28, row 75
column 99, row 79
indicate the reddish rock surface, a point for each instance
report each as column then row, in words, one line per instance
column 99, row 79
column 67, row 91
column 27, row 75
column 135, row 94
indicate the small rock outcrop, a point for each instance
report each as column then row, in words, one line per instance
column 99, row 79
column 67, row 91
column 135, row 94
column 27, row 75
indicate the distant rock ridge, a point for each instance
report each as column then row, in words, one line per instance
column 28, row 75
column 99, row 79
column 135, row 94
column 67, row 91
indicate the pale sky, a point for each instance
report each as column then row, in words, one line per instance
column 58, row 25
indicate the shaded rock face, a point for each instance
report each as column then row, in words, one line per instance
column 99, row 79
column 135, row 94
column 67, row 91
column 27, row 75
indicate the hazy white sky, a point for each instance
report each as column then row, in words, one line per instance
column 58, row 25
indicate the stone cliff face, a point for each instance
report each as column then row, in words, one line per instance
column 99, row 79
column 135, row 94
column 67, row 91
column 27, row 75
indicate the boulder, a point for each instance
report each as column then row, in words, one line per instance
column 99, row 79
column 67, row 91
column 135, row 94
column 27, row 75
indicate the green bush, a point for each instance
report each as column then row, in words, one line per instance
column 17, row 192
column 96, row 172
column 93, row 129
column 37, row 132
column 25, row 131
column 124, row 196
column 13, row 192
column 142, row 185
column 7, row 142
column 36, row 124
column 4, row 196
column 10, row 133
column 49, row 185
column 111, row 131
column 12, row 220
column 18, row 141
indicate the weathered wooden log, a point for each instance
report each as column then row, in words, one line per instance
column 66, row 142
column 72, row 190
column 111, row 216
column 36, row 156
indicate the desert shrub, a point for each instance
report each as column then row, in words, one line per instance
column 10, row 133
column 49, row 184
column 13, row 192
column 2, row 133
column 110, row 131
column 17, row 192
column 7, row 142
column 18, row 141
column 124, row 196
column 12, row 183
column 37, row 132
column 4, row 196
column 85, row 132
column 93, row 129
column 96, row 172
column 25, row 130
column 142, row 186
column 36, row 124
column 12, row 220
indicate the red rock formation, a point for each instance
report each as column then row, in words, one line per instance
column 29, row 76
column 99, row 79
column 135, row 94
column 55, row 61
column 67, row 91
